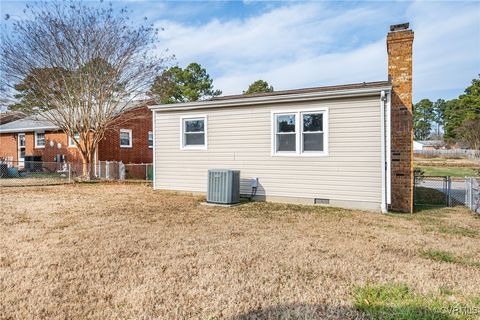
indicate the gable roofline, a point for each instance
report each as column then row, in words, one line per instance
column 306, row 94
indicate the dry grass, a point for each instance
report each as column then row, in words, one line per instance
column 446, row 162
column 124, row 251
column 33, row 181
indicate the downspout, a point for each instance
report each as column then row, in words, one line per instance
column 383, row 151
column 389, row 148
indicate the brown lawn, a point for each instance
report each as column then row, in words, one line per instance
column 106, row 251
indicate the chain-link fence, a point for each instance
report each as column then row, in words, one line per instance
column 472, row 194
column 39, row 173
column 34, row 173
column 438, row 191
column 430, row 191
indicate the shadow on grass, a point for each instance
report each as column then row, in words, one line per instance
column 312, row 311
column 429, row 197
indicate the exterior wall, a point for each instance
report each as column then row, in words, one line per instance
column 399, row 47
column 140, row 122
column 9, row 144
column 240, row 138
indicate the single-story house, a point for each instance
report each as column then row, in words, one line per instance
column 346, row 145
column 130, row 141
column 428, row 145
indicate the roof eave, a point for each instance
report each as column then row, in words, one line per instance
column 272, row 99
column 19, row 130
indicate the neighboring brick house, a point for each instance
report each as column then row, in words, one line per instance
column 130, row 141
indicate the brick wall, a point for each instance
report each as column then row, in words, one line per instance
column 59, row 139
column 140, row 122
column 9, row 146
column 399, row 47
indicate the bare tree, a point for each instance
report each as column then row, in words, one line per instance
column 469, row 133
column 83, row 65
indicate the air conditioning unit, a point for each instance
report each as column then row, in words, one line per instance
column 223, row 186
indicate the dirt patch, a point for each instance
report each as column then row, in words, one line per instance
column 124, row 251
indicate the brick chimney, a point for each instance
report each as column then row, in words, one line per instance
column 399, row 48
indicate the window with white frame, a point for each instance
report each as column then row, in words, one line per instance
column 194, row 133
column 312, row 132
column 286, row 133
column 125, row 138
column 71, row 142
column 300, row 133
column 40, row 139
column 150, row 139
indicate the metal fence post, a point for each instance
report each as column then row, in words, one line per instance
column 69, row 172
column 449, row 191
column 414, row 189
column 470, row 194
column 468, row 187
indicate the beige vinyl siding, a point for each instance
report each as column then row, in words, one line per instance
column 241, row 138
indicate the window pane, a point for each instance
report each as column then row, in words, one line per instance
column 124, row 138
column 70, row 140
column 313, row 141
column 286, row 123
column 313, row 122
column 194, row 139
column 150, row 139
column 40, row 139
column 194, row 125
column 286, row 142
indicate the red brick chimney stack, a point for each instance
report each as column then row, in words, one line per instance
column 399, row 48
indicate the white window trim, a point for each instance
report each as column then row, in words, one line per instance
column 148, row 139
column 44, row 140
column 299, row 133
column 130, row 138
column 182, row 135
column 71, row 143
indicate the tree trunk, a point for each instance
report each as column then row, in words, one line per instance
column 85, row 168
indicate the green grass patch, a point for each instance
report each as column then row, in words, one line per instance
column 453, row 230
column 399, row 302
column 456, row 172
column 444, row 256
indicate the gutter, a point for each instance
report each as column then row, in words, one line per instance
column 271, row 99
column 18, row 130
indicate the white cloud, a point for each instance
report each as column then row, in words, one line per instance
column 446, row 46
column 310, row 44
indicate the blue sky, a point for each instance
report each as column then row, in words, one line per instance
column 304, row 44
